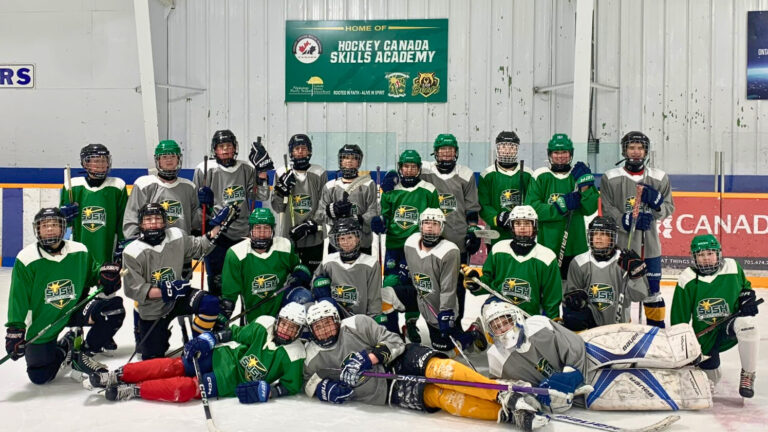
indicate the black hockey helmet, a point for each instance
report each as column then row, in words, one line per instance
column 220, row 137
column 635, row 165
column 301, row 164
column 344, row 226
column 605, row 225
column 509, row 143
column 50, row 242
column 93, row 151
column 155, row 235
column 350, row 151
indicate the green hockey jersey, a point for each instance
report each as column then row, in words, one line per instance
column 401, row 208
column 501, row 190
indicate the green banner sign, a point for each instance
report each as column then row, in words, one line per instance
column 366, row 61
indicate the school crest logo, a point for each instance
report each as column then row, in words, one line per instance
column 163, row 274
column 545, row 368
column 406, row 216
column 422, row 282
column 601, row 295
column 509, row 198
column 302, row 204
column 629, row 203
column 233, row 195
column 426, row 84
column 345, row 294
column 173, row 210
column 263, row 284
column 93, row 218
column 396, row 83
column 253, row 367
column 447, row 203
column 517, row 290
column 59, row 293
column 712, row 310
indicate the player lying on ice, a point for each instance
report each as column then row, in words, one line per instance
column 357, row 344
column 266, row 362
column 614, row 367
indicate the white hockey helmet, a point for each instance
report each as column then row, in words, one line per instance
column 436, row 215
column 523, row 212
column 506, row 324
column 290, row 320
column 316, row 313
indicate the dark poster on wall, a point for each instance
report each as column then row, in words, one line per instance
column 757, row 55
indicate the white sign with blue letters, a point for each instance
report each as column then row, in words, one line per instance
column 17, row 76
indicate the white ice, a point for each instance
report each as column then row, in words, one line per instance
column 64, row 405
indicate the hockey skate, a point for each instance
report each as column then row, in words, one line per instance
column 104, row 379
column 520, row 409
column 747, row 384
column 122, row 392
column 411, row 331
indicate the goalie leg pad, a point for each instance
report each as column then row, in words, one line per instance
column 650, row 390
column 748, row 335
column 641, row 345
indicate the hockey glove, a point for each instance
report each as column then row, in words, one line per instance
column 260, row 158
column 471, row 241
column 502, row 220
column 253, row 392
column 353, row 368
column 446, row 320
column 321, row 287
column 109, row 277
column 630, row 262
column 339, row 209
column 576, row 300
column 469, row 273
column 333, row 391
column 200, row 346
column 118, row 256
column 300, row 276
column 390, row 180
column 644, row 221
column 626, row 221
column 747, row 303
column 205, row 196
column 223, row 216
column 303, row 229
column 172, row 290
column 403, row 273
column 569, row 201
column 379, row 225
column 285, row 183
column 652, row 197
column 14, row 342
column 562, row 387
column 582, row 175
column 70, row 211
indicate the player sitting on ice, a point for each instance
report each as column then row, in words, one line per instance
column 266, row 362
column 49, row 278
column 348, row 276
column 602, row 283
column 357, row 344
column 650, row 373
column 714, row 291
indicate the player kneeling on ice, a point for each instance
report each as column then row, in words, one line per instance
column 650, row 362
column 358, row 345
column 603, row 282
column 718, row 298
column 51, row 277
column 266, row 362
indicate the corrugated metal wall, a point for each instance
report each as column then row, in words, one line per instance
column 680, row 66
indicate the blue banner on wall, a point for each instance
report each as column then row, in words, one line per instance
column 757, row 55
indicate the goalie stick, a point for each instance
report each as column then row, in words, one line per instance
column 658, row 426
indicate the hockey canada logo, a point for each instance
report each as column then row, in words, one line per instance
column 712, row 310
column 426, row 84
column 345, row 294
column 601, row 295
column 173, row 210
column 629, row 203
column 94, row 218
column 59, row 293
column 422, row 282
column 396, row 84
column 545, row 368
column 163, row 274
column 302, row 204
column 406, row 216
column 447, row 203
column 263, row 284
column 234, row 195
column 307, row 48
column 253, row 367
column 517, row 290
column 509, row 198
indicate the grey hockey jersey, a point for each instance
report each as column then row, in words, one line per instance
column 363, row 199
column 179, row 199
column 357, row 285
column 306, row 197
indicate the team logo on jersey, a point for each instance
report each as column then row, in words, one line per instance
column 93, row 218
column 447, row 203
column 422, row 282
column 601, row 295
column 553, row 197
column 233, row 195
column 254, row 368
column 629, row 203
column 173, row 210
column 302, row 204
column 545, row 368
column 509, row 198
column 263, row 284
column 345, row 294
column 59, row 293
column 426, row 84
column 712, row 310
column 163, row 274
column 406, row 216
column 517, row 290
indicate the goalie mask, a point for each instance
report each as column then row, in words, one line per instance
column 506, row 324
column 431, row 225
column 96, row 161
column 300, row 150
column 261, row 228
column 152, row 222
column 49, row 226
column 446, row 153
column 224, row 147
column 345, row 236
column 290, row 321
column 409, row 168
column 324, row 323
column 168, row 159
column 350, row 159
column 559, row 162
column 507, row 145
column 602, row 236
column 522, row 236
column 707, row 254
column 634, row 164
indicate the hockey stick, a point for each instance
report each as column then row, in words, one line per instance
column 455, row 343
column 487, row 234
column 57, row 322
column 68, row 186
column 498, row 295
column 635, row 213
column 289, row 197
column 522, row 182
column 730, row 317
column 203, row 396
column 658, row 426
column 205, row 211
column 378, row 200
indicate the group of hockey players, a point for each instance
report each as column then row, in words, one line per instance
column 326, row 321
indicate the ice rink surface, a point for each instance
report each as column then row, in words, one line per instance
column 64, row 405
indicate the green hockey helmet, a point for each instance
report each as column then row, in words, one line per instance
column 706, row 242
column 168, row 147
column 409, row 156
column 446, row 165
column 261, row 216
column 560, row 142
